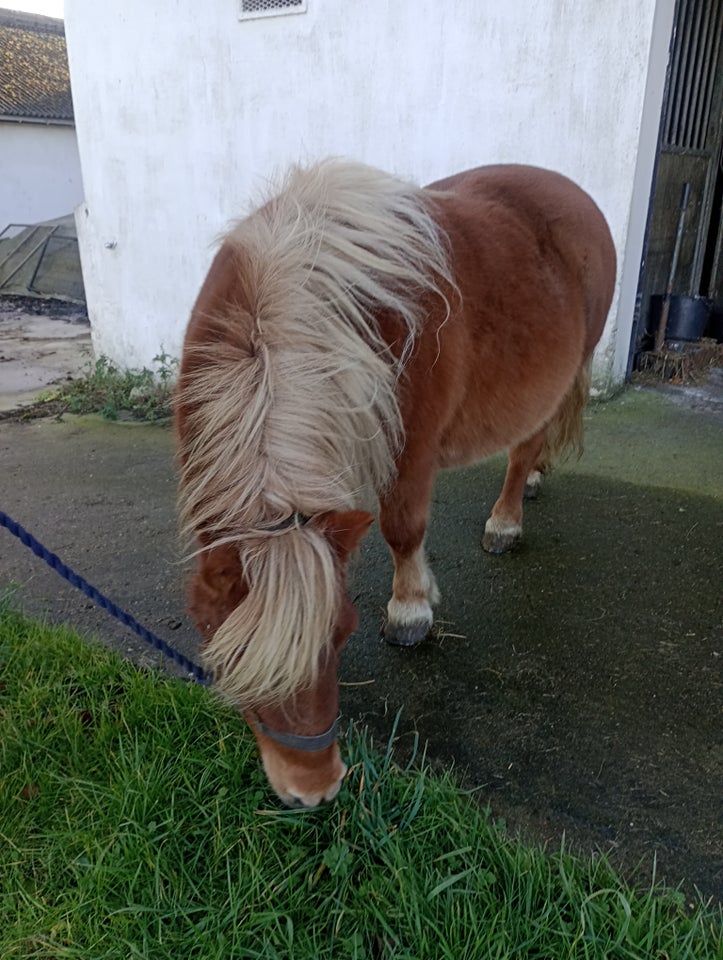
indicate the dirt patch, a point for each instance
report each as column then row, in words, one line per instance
column 36, row 410
column 41, row 343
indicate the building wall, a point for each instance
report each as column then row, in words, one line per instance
column 39, row 172
column 184, row 114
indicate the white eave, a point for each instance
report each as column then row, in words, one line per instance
column 45, row 121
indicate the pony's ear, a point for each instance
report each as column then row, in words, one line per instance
column 347, row 529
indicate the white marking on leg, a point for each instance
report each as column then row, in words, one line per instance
column 403, row 614
column 414, row 579
column 426, row 578
column 534, row 481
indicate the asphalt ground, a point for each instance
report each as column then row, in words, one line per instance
column 575, row 682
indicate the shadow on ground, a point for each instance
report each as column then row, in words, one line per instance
column 578, row 681
column 575, row 683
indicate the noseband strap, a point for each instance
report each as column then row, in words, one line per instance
column 296, row 741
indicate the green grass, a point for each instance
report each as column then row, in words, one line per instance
column 135, row 823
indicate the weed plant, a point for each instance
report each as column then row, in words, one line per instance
column 106, row 389
column 135, row 822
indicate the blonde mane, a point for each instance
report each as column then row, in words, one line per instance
column 293, row 406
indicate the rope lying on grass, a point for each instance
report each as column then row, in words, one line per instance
column 97, row 597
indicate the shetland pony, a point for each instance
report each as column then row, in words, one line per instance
column 354, row 335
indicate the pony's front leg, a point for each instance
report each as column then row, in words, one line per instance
column 523, row 478
column 403, row 521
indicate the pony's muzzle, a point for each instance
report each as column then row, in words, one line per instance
column 308, row 801
column 303, row 780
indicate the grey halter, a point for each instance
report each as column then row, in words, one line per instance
column 297, row 741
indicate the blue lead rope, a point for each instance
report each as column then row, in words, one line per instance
column 97, row 597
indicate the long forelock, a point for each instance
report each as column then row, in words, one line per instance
column 294, row 405
column 271, row 645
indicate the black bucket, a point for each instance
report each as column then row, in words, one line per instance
column 687, row 318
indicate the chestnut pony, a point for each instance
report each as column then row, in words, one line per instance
column 353, row 336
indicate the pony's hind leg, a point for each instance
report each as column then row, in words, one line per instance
column 403, row 521
column 523, row 478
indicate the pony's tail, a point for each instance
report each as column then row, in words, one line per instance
column 564, row 432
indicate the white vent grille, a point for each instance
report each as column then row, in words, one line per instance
column 251, row 9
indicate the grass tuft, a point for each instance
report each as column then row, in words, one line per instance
column 136, row 823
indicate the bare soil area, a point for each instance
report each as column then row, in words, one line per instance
column 42, row 342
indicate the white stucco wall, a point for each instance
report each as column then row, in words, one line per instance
column 39, row 172
column 182, row 117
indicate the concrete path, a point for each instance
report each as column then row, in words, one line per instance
column 576, row 682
